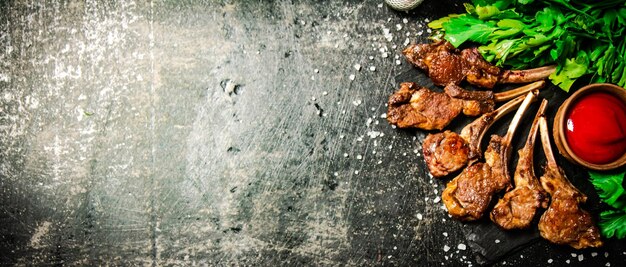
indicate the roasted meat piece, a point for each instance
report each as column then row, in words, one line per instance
column 517, row 208
column 446, row 64
column 413, row 106
column 448, row 151
column 468, row 195
column 564, row 222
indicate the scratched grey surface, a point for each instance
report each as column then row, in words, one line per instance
column 218, row 133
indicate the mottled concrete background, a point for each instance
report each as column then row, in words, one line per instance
column 216, row 133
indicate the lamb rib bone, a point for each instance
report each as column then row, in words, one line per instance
column 447, row 152
column 469, row 194
column 564, row 222
column 518, row 207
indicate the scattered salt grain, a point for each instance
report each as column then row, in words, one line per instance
column 352, row 77
column 372, row 68
column 383, row 116
column 445, row 234
column 336, row 174
column 373, row 134
column 312, row 98
column 581, row 257
column 419, row 216
column 356, row 172
column 398, row 62
column 606, row 254
column 359, row 157
column 573, row 255
column 405, row 21
column 437, row 200
column 446, row 248
column 497, row 241
column 550, row 260
column 356, row 102
column 385, row 55
column 608, row 264
column 462, row 246
column 567, row 261
column 324, row 93
column 316, row 70
column 593, row 254
column 345, row 155
column 398, row 27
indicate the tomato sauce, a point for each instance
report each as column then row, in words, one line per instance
column 596, row 128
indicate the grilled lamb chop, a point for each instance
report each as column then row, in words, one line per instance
column 413, row 106
column 468, row 195
column 446, row 64
column 564, row 222
column 448, row 151
column 517, row 208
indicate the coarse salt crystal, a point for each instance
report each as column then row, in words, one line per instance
column 324, row 93
column 593, row 254
column 357, row 67
column 372, row 68
column 405, row 21
column 419, row 216
column 437, row 200
column 446, row 248
column 359, row 157
column 497, row 241
column 462, row 246
column 345, row 155
column 336, row 174
column 581, row 257
column 608, row 264
column 567, row 261
column 316, row 70
column 398, row 62
column 352, row 77
column 356, row 172
column 550, row 260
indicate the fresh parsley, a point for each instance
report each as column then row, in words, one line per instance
column 611, row 191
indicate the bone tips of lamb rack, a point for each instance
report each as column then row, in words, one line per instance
column 513, row 93
column 528, row 75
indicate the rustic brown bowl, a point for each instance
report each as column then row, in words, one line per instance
column 560, row 124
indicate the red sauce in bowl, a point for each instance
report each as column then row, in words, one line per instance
column 596, row 128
